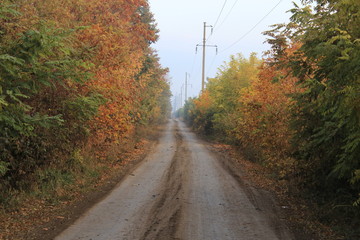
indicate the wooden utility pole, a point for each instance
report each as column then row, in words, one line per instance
column 181, row 92
column 203, row 45
column 186, row 84
column 203, row 60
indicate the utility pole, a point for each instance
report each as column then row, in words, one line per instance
column 180, row 99
column 203, row 59
column 181, row 93
column 186, row 86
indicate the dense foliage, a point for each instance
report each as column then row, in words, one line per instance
column 300, row 111
column 215, row 111
column 327, row 66
column 76, row 79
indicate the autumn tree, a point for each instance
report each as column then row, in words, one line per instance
column 299, row 111
column 216, row 110
column 325, row 115
column 34, row 65
column 72, row 81
column 326, row 66
column 265, row 117
column 226, row 89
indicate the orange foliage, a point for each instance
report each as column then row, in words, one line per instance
column 265, row 112
column 204, row 102
column 116, row 39
column 113, row 36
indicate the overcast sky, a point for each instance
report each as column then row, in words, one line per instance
column 237, row 30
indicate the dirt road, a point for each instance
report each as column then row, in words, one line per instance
column 180, row 191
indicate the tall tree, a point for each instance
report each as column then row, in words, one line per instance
column 327, row 66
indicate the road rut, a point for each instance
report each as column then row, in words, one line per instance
column 180, row 191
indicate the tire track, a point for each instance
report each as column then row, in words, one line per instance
column 164, row 217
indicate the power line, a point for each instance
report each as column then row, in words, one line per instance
column 213, row 60
column 243, row 36
column 216, row 28
column 211, row 64
column 222, row 9
column 228, row 14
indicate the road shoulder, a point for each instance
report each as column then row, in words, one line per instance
column 270, row 195
column 47, row 221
